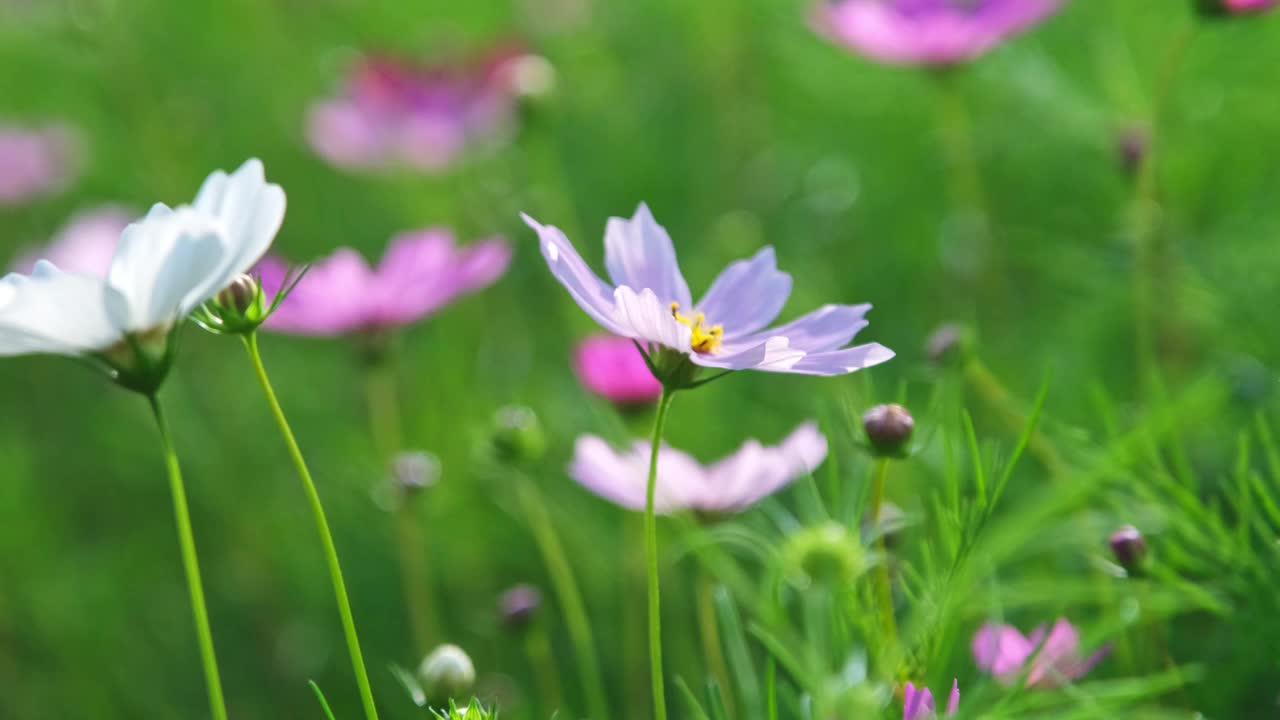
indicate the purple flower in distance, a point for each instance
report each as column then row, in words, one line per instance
column 1005, row 652
column 649, row 301
column 1236, row 7
column 419, row 273
column 928, row 32
column 35, row 161
column 729, row 485
column 917, row 704
column 613, row 368
column 396, row 113
column 84, row 245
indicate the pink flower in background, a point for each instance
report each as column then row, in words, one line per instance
column 918, row 704
column 1236, row 7
column 35, row 161
column 85, row 244
column 394, row 113
column 612, row 367
column 420, row 272
column 1004, row 652
column 928, row 32
column 727, row 486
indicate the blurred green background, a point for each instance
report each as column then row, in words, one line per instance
column 740, row 127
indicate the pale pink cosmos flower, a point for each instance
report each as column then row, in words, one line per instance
column 927, row 32
column 419, row 273
column 1004, row 652
column 917, row 704
column 35, row 162
column 84, row 245
column 394, row 113
column 730, row 485
column 649, row 301
column 1237, row 7
column 613, row 368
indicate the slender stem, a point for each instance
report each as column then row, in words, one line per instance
column 415, row 581
column 994, row 394
column 538, row 647
column 322, row 526
column 712, row 649
column 884, row 594
column 187, row 543
column 567, row 592
column 651, row 561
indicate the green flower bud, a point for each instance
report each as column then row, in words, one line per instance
column 237, row 309
column 827, row 554
column 474, row 711
column 517, row 435
column 240, row 295
column 446, row 673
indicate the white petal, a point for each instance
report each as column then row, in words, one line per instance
column 53, row 312
column 638, row 253
column 644, row 317
column 623, row 477
column 840, row 362
column 165, row 265
column 774, row 354
column 589, row 291
column 827, row 328
column 250, row 211
column 747, row 295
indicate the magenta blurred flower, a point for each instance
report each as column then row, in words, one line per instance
column 918, row 704
column 1236, row 7
column 613, row 368
column 649, row 301
column 928, row 32
column 394, row 113
column 729, row 485
column 1004, row 652
column 84, row 245
column 420, row 272
column 35, row 161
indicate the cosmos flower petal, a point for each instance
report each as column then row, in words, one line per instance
column 53, row 312
column 1000, row 650
column 328, row 300
column 756, row 471
column 827, row 328
column 584, row 286
column 85, row 243
column 774, row 354
column 917, row 703
column 613, row 367
column 838, row 362
column 953, row 700
column 638, row 253
column 647, row 318
column 747, row 295
column 600, row 469
column 250, row 210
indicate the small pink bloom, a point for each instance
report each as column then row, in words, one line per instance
column 84, row 245
column 1239, row 7
column 1004, row 652
column 917, row 704
column 394, row 113
column 613, row 368
column 35, row 162
column 928, row 32
column 420, row 272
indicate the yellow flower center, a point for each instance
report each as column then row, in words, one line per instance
column 705, row 339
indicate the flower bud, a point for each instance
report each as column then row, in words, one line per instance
column 517, row 435
column 414, row 470
column 888, row 428
column 946, row 343
column 1130, row 549
column 827, row 554
column 1131, row 149
column 446, row 673
column 474, row 711
column 240, row 295
column 519, row 605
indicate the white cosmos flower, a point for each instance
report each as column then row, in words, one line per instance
column 165, row 265
column 649, row 301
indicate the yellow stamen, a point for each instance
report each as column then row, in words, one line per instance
column 704, row 339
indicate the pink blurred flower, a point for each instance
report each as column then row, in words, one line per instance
column 394, row 113
column 729, row 485
column 918, row 704
column 928, row 32
column 1004, row 652
column 612, row 367
column 35, row 161
column 420, row 272
column 1236, row 7
column 84, row 245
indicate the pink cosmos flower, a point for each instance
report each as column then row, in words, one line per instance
column 918, row 704
column 649, row 301
column 611, row 367
column 394, row 113
column 1004, row 652
column 35, row 162
column 1237, row 7
column 928, row 32
column 84, row 245
column 729, row 485
column 420, row 272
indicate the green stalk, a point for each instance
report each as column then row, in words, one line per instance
column 322, row 526
column 884, row 594
column 712, row 649
column 187, row 543
column 651, row 561
column 575, row 613
column 537, row 645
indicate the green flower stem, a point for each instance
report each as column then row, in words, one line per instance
column 384, row 426
column 537, row 645
column 322, row 526
column 884, row 594
column 994, row 394
column 712, row 649
column 651, row 561
column 575, row 613
column 187, row 543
